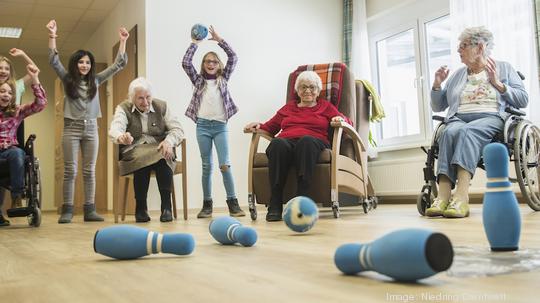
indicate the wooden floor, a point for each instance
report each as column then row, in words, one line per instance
column 57, row 263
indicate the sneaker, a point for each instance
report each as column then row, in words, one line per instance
column 206, row 211
column 3, row 221
column 234, row 208
column 437, row 208
column 457, row 209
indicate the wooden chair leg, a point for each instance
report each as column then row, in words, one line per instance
column 184, row 193
column 175, row 213
column 124, row 201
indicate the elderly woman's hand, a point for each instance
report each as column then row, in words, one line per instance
column 440, row 75
column 493, row 75
column 337, row 119
column 252, row 127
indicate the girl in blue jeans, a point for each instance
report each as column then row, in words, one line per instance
column 210, row 108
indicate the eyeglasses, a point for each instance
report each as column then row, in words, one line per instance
column 464, row 45
column 211, row 62
column 306, row 87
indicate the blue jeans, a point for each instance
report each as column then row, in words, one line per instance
column 209, row 131
column 80, row 135
column 462, row 141
column 15, row 157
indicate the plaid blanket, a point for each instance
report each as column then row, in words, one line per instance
column 332, row 78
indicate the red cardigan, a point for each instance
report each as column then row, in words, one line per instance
column 296, row 122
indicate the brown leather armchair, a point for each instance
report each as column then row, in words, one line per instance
column 341, row 169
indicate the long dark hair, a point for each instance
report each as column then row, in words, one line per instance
column 74, row 77
column 11, row 108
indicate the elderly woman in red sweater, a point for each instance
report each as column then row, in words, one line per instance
column 302, row 134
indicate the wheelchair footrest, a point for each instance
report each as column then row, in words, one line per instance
column 19, row 212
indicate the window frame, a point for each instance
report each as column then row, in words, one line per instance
column 405, row 17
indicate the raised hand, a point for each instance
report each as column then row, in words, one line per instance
column 123, row 34
column 15, row 52
column 440, row 75
column 214, row 35
column 33, row 72
column 51, row 26
column 125, row 139
column 493, row 75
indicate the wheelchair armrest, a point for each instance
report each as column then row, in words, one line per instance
column 514, row 111
column 438, row 118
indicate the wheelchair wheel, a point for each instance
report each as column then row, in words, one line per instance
column 423, row 202
column 527, row 157
column 34, row 219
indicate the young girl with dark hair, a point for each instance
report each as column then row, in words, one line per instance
column 81, row 110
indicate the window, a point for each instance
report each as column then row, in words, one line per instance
column 407, row 57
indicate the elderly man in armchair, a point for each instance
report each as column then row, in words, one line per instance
column 147, row 133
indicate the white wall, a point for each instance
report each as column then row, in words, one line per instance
column 271, row 38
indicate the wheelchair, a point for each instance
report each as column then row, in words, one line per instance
column 32, row 181
column 521, row 137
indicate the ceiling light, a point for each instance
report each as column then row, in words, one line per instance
column 10, row 32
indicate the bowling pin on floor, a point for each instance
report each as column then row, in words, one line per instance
column 500, row 212
column 404, row 255
column 228, row 231
column 131, row 242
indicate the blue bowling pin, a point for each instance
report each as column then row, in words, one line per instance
column 404, row 255
column 131, row 242
column 228, row 231
column 500, row 213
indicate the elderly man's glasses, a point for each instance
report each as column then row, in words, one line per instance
column 211, row 61
column 304, row 88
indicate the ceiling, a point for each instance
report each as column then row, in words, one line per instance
column 77, row 20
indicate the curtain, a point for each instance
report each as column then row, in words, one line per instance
column 512, row 25
column 347, row 31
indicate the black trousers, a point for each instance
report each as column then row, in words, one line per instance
column 141, row 181
column 302, row 153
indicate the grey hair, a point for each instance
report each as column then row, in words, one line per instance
column 308, row 76
column 139, row 83
column 478, row 35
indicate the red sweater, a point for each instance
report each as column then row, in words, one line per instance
column 296, row 122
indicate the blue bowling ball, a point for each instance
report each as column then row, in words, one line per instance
column 300, row 214
column 199, row 31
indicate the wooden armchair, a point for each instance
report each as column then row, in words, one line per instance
column 341, row 169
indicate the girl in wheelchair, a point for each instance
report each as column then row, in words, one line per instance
column 476, row 96
column 11, row 116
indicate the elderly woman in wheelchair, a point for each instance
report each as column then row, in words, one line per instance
column 476, row 97
column 11, row 116
column 303, row 135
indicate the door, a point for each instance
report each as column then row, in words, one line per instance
column 120, row 89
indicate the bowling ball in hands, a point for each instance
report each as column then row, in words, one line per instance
column 300, row 214
column 199, row 31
